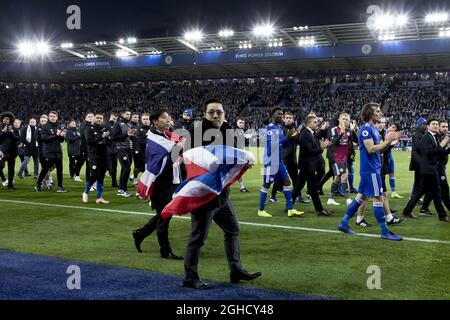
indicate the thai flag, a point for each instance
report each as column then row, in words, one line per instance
column 157, row 154
column 210, row 170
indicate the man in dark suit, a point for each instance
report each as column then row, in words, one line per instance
column 431, row 152
column 220, row 210
column 443, row 160
column 9, row 140
column 309, row 163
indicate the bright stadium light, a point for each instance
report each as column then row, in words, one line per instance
column 122, row 53
column 307, row 42
column 42, row 48
column 384, row 21
column 386, row 37
column 67, row 45
column 226, row 33
column 26, row 48
column 121, row 40
column 265, row 30
column 444, row 33
column 436, row 17
column 401, row 20
column 195, row 35
column 131, row 40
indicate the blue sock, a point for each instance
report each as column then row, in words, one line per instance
column 339, row 187
column 99, row 190
column 381, row 218
column 87, row 188
column 392, row 183
column 350, row 178
column 263, row 198
column 288, row 196
column 351, row 211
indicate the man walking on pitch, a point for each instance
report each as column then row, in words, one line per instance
column 370, row 146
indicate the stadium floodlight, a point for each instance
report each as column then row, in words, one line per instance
column 444, row 33
column 264, row 30
column 401, row 20
column 131, row 40
column 436, row 17
column 121, row 40
column 122, row 53
column 42, row 48
column 66, row 45
column 194, row 35
column 26, row 49
column 226, row 33
column 386, row 37
column 307, row 42
column 384, row 21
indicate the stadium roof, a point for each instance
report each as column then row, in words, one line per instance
column 327, row 35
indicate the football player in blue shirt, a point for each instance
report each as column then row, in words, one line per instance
column 274, row 168
column 370, row 147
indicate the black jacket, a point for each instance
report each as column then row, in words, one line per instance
column 119, row 134
column 142, row 138
column 289, row 148
column 110, row 143
column 9, row 142
column 443, row 159
column 431, row 152
column 73, row 139
column 96, row 144
column 416, row 153
column 83, row 143
column 183, row 124
column 51, row 143
column 310, row 151
column 29, row 148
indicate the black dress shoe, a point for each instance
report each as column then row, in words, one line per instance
column 446, row 219
column 197, row 284
column 321, row 193
column 171, row 256
column 409, row 214
column 237, row 276
column 138, row 239
column 325, row 213
column 426, row 212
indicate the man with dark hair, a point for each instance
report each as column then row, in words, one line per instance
column 9, row 140
column 443, row 160
column 73, row 139
column 137, row 156
column 370, row 146
column 432, row 150
column 141, row 144
column 121, row 134
column 219, row 209
column 274, row 167
column 165, row 186
column 88, row 121
column 28, row 138
column 96, row 138
column 309, row 163
column 111, row 157
column 52, row 137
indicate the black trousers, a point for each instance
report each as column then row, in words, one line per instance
column 11, row 166
column 125, row 158
column 83, row 160
column 97, row 170
column 225, row 217
column 429, row 184
column 292, row 169
column 310, row 178
column 49, row 163
column 74, row 165
column 327, row 176
column 444, row 193
column 111, row 164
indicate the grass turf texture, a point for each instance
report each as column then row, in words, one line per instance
column 296, row 261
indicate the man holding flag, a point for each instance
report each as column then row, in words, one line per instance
column 211, row 168
column 160, row 180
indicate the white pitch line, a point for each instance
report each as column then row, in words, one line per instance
column 241, row 222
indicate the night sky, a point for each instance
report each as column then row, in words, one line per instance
column 108, row 20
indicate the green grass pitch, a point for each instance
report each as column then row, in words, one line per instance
column 294, row 260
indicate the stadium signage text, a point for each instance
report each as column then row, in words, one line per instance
column 259, row 55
